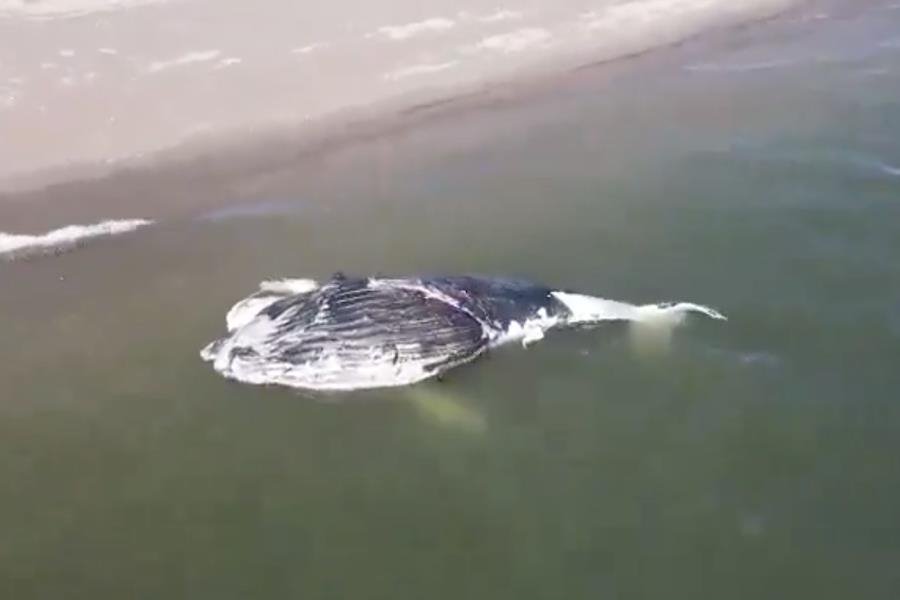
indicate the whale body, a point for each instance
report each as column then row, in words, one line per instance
column 358, row 333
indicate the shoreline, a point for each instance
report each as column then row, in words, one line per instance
column 350, row 122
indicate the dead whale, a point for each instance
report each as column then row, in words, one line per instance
column 358, row 333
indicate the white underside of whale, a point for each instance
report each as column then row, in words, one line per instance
column 269, row 292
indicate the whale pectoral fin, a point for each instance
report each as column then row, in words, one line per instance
column 651, row 325
column 586, row 310
column 440, row 406
column 244, row 311
column 690, row 307
column 288, row 287
column 270, row 291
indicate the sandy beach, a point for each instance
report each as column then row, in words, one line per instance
column 87, row 87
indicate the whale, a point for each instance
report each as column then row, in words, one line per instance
column 352, row 333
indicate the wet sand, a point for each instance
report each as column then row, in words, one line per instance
column 199, row 176
column 89, row 94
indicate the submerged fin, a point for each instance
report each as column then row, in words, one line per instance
column 441, row 407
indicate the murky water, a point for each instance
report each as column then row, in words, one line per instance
column 749, row 459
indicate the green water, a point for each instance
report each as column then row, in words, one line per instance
column 756, row 458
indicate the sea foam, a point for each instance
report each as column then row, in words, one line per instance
column 13, row 246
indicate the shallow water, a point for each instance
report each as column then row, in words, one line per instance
column 749, row 459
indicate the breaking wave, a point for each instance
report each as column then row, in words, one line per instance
column 16, row 246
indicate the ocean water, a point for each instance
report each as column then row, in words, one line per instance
column 754, row 171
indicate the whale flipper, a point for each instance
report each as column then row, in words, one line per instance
column 586, row 310
column 438, row 406
column 269, row 292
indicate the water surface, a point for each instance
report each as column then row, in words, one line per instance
column 749, row 459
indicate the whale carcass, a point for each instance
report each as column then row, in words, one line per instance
column 357, row 333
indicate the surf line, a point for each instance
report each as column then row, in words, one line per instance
column 15, row 246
